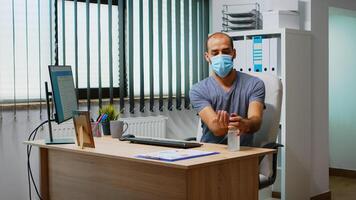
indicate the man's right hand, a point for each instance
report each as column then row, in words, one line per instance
column 217, row 121
column 222, row 119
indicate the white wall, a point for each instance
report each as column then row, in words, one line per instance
column 342, row 31
column 320, row 139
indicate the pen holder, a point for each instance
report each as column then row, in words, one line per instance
column 106, row 127
column 96, row 130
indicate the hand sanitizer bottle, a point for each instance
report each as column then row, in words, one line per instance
column 233, row 139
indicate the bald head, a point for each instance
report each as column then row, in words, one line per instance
column 219, row 43
column 219, row 37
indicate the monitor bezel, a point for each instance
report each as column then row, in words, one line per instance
column 53, row 95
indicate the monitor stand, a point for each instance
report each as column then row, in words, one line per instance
column 51, row 140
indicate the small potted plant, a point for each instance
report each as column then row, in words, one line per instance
column 112, row 115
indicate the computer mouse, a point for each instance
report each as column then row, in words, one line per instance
column 124, row 137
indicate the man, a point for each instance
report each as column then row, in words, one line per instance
column 228, row 98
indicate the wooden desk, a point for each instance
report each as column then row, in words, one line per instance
column 111, row 171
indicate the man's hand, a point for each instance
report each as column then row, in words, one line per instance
column 252, row 123
column 239, row 123
column 222, row 119
column 217, row 121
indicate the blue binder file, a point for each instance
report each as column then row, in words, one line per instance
column 257, row 53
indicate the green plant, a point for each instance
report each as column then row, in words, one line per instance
column 110, row 111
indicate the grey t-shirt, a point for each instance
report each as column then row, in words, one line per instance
column 208, row 92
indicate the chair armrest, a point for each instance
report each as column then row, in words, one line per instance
column 270, row 180
column 272, row 145
column 191, row 139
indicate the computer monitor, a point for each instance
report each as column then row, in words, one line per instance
column 63, row 92
column 64, row 98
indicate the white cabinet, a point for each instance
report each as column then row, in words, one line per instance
column 288, row 55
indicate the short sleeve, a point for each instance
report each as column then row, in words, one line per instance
column 199, row 97
column 258, row 92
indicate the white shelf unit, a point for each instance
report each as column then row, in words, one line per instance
column 295, row 74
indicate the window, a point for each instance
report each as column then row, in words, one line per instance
column 158, row 46
column 25, row 49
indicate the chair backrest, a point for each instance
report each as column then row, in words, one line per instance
column 271, row 117
column 272, row 113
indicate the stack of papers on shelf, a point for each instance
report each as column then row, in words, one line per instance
column 176, row 154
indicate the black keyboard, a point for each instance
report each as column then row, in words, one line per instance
column 163, row 142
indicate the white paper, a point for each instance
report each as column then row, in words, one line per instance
column 175, row 154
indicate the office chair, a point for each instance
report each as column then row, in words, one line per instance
column 267, row 135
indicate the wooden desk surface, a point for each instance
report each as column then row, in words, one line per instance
column 113, row 148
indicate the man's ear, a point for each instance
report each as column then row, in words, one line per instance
column 233, row 53
column 206, row 55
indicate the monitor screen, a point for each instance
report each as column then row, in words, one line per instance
column 64, row 96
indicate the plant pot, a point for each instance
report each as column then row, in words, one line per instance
column 106, row 127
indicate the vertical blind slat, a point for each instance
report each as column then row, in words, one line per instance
column 178, row 55
column 186, row 54
column 194, row 42
column 160, row 59
column 205, row 33
column 169, row 53
column 64, row 31
column 50, row 31
column 99, row 53
column 13, row 53
column 88, row 50
column 130, row 54
column 142, row 77
column 122, row 81
column 76, row 47
column 110, row 51
column 150, row 33
column 56, row 58
column 39, row 52
column 201, row 44
column 27, row 70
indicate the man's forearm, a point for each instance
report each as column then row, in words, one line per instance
column 253, row 124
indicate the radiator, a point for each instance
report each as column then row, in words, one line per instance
column 152, row 126
column 63, row 130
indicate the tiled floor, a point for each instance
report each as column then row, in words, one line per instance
column 342, row 188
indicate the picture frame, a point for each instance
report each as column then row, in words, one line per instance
column 82, row 126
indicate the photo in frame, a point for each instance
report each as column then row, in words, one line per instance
column 82, row 128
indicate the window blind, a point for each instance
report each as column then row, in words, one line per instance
column 145, row 50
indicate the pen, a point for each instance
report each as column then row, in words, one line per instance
column 104, row 118
column 97, row 123
column 101, row 116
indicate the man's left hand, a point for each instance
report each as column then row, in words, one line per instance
column 239, row 123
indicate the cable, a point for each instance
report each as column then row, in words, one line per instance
column 29, row 167
column 30, row 178
column 29, row 149
column 29, row 171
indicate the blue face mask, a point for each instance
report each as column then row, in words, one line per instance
column 222, row 65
